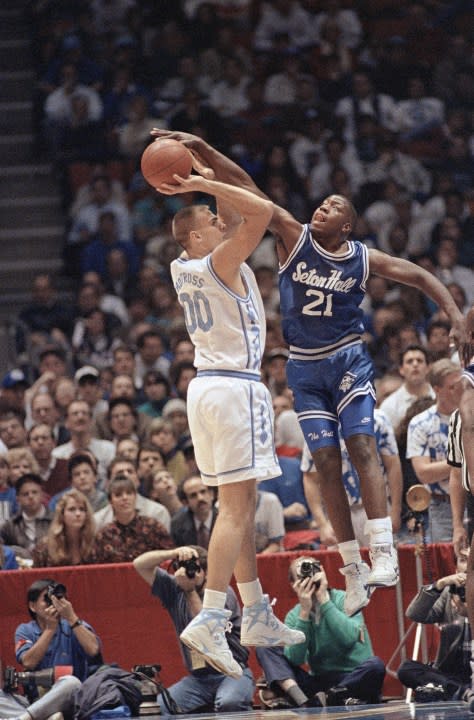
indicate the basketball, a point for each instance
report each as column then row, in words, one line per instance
column 164, row 158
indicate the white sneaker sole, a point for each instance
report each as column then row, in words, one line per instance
column 380, row 582
column 214, row 662
column 261, row 642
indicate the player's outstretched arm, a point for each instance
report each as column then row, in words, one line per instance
column 208, row 161
column 407, row 273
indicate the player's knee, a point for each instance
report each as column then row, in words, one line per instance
column 327, row 460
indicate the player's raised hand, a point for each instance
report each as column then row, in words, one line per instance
column 192, row 143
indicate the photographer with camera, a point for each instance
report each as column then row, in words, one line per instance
column 443, row 603
column 181, row 594
column 55, row 635
column 337, row 649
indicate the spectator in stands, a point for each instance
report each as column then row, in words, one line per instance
column 175, row 412
column 413, row 367
column 130, row 533
column 134, row 133
column 12, row 389
column 269, row 523
column 109, row 303
column 128, row 449
column 79, row 424
column 52, row 364
column 156, row 389
column 94, row 254
column 437, row 340
column 150, row 355
column 275, row 370
column 20, row 460
column 416, row 117
column 94, row 339
column 63, row 391
column 89, row 300
column 58, row 106
column 87, row 380
column 160, row 486
column 283, row 21
column 45, row 313
column 55, row 635
column 442, row 603
column 181, row 374
column 149, row 508
column 86, row 222
column 337, row 155
column 181, row 594
column 123, row 419
column 427, row 444
column 365, row 100
column 194, row 526
column 121, row 387
column 82, row 474
column 449, row 270
column 12, row 428
column 149, row 459
column 70, row 537
column 53, row 472
column 8, row 505
column 337, row 648
column 44, row 411
column 164, row 436
column 228, row 95
column 32, row 520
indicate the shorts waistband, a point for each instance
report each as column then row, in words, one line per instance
column 441, row 497
column 240, row 374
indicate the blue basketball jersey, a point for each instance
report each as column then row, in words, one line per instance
column 320, row 295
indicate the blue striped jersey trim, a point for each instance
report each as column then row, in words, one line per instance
column 241, row 374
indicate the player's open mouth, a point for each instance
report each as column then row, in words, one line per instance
column 320, row 216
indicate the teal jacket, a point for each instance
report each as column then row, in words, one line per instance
column 333, row 643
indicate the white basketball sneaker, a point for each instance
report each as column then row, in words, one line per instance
column 384, row 560
column 261, row 628
column 357, row 591
column 206, row 635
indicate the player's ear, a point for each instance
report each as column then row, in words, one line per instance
column 347, row 227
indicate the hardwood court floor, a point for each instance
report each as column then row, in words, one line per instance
column 387, row 711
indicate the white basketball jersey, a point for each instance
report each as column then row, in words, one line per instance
column 228, row 331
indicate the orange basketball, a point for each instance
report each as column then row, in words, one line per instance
column 164, row 158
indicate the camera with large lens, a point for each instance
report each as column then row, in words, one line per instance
column 57, row 590
column 191, row 566
column 460, row 591
column 309, row 568
column 36, row 678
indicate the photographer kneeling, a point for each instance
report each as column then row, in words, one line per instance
column 55, row 635
column 443, row 602
column 337, row 649
column 181, row 594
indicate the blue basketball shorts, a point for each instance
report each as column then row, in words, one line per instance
column 336, row 389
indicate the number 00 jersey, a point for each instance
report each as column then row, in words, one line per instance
column 320, row 294
column 228, row 331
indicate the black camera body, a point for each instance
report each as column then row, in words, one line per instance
column 149, row 688
column 191, row 566
column 57, row 590
column 459, row 591
column 308, row 569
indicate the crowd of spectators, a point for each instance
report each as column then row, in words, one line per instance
column 372, row 100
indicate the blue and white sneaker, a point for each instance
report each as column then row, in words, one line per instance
column 357, row 591
column 261, row 628
column 384, row 561
column 206, row 635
